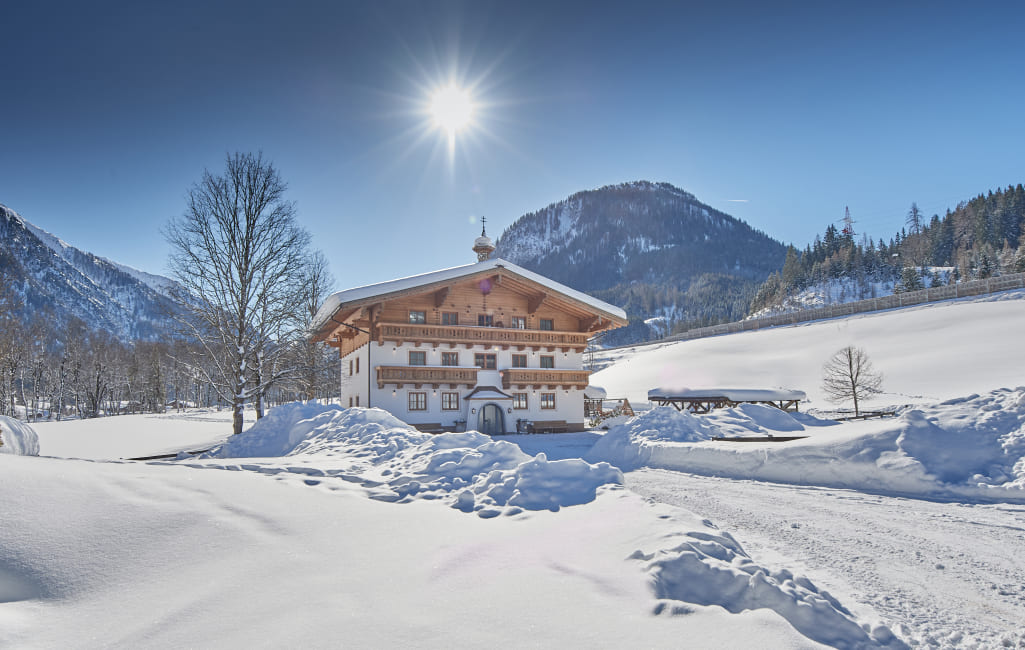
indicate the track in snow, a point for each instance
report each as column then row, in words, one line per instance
column 939, row 574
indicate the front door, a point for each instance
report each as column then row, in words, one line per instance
column 491, row 421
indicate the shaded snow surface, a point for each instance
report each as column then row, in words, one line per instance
column 16, row 437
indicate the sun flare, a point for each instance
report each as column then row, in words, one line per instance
column 452, row 109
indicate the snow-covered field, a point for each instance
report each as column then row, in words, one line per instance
column 325, row 527
column 926, row 353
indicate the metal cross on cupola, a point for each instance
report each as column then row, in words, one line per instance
column 483, row 245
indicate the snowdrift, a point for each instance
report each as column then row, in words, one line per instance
column 967, row 448
column 399, row 463
column 690, row 564
column 630, row 445
column 18, row 438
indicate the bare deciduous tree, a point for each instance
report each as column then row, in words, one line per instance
column 315, row 360
column 238, row 253
column 849, row 375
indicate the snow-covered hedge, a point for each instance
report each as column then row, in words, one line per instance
column 16, row 437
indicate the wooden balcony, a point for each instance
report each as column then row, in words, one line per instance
column 420, row 375
column 524, row 377
column 469, row 336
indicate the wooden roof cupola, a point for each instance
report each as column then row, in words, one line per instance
column 483, row 245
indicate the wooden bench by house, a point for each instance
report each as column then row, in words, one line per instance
column 548, row 426
column 430, row 427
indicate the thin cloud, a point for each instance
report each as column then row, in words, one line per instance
column 738, row 200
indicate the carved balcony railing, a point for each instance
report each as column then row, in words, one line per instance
column 470, row 336
column 523, row 377
column 420, row 375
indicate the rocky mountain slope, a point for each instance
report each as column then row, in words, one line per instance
column 651, row 248
column 58, row 281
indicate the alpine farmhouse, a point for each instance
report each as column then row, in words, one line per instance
column 488, row 346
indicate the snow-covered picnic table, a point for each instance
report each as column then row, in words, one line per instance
column 703, row 400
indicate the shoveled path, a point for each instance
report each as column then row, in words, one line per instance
column 939, row 574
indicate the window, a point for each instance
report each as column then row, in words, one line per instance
column 418, row 401
column 547, row 361
column 547, row 400
column 519, row 400
column 485, row 320
column 450, row 358
column 418, row 317
column 519, row 322
column 449, row 318
column 350, row 371
column 350, row 402
column 417, row 358
column 357, row 400
column 485, row 361
column 450, row 401
column 357, row 365
column 547, row 324
column 519, row 361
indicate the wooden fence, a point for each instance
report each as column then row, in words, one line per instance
column 906, row 299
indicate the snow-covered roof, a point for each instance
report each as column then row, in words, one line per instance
column 355, row 295
column 487, row 392
column 595, row 392
column 732, row 394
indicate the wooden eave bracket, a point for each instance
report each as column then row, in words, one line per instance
column 535, row 301
column 439, row 296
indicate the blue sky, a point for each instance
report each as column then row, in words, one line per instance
column 780, row 115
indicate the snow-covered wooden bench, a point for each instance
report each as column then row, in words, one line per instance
column 704, row 400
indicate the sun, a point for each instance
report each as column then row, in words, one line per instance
column 452, row 109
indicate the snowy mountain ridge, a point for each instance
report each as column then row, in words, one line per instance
column 158, row 283
column 53, row 276
column 651, row 248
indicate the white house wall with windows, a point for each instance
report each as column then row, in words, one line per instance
column 487, row 346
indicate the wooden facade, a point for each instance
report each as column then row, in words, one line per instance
column 410, row 346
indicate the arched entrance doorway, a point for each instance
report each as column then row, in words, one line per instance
column 491, row 420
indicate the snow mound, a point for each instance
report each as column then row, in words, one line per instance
column 629, row 445
column 971, row 447
column 17, row 438
column 398, row 463
column 711, row 568
column 972, row 441
column 297, row 428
